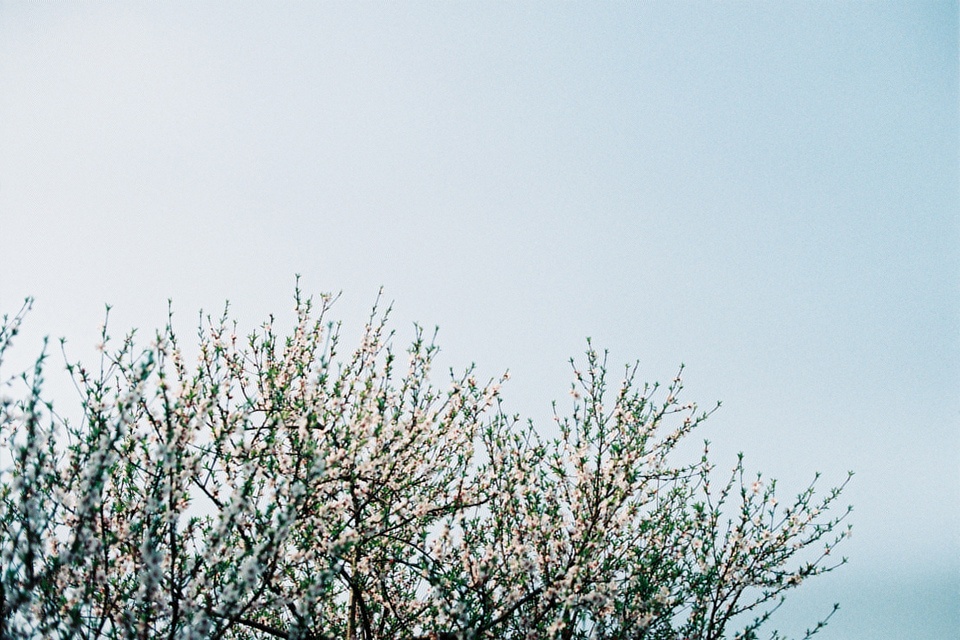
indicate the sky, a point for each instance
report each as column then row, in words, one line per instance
column 767, row 193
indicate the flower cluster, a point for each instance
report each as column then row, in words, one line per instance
column 277, row 489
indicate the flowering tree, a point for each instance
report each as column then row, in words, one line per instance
column 279, row 490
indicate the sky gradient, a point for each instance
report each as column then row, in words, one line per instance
column 768, row 194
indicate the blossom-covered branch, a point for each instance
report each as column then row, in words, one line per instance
column 277, row 489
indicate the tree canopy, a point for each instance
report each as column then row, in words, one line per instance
column 277, row 488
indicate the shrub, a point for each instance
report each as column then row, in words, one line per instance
column 278, row 490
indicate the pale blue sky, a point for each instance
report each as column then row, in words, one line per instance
column 766, row 192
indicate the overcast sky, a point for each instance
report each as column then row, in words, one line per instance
column 767, row 193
